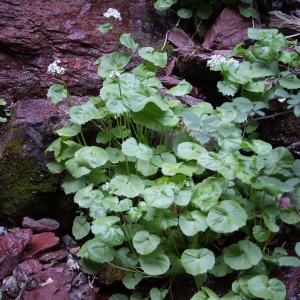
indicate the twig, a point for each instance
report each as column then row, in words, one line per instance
column 167, row 34
column 292, row 36
column 292, row 146
column 266, row 117
column 295, row 206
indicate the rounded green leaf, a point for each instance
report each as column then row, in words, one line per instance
column 260, row 286
column 184, row 13
column 289, row 216
column 155, row 263
column 243, row 255
column 181, row 89
column 204, row 11
column 118, row 297
column 161, row 196
column 115, row 61
column 75, row 169
column 99, row 252
column 57, row 93
column 125, row 259
column 69, row 130
column 106, row 232
column 91, row 157
column 192, row 222
column 289, row 261
column 145, row 243
column 90, row 267
column 227, row 217
column 260, row 234
column 157, row 58
column 80, row 227
column 130, row 280
column 163, row 4
column 128, row 42
column 86, row 196
column 130, row 187
column 197, row 261
column 190, row 151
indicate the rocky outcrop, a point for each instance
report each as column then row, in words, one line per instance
column 35, row 33
column 32, row 35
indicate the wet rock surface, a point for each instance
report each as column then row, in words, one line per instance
column 236, row 30
column 44, row 224
column 35, row 33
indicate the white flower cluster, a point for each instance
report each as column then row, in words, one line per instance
column 186, row 183
column 106, row 186
column 114, row 74
column 220, row 60
column 54, row 68
column 111, row 12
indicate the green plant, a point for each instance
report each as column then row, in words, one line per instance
column 5, row 111
column 162, row 183
column 204, row 8
column 268, row 71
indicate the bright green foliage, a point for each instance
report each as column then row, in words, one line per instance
column 203, row 9
column 4, row 111
column 158, row 197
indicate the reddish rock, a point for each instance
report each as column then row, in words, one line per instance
column 179, row 38
column 12, row 246
column 228, row 30
column 52, row 256
column 42, row 225
column 41, row 243
column 35, row 33
column 31, row 266
column 51, row 291
column 59, row 274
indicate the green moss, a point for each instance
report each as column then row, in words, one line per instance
column 110, row 274
column 21, row 181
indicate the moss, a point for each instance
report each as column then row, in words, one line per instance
column 21, row 181
column 110, row 274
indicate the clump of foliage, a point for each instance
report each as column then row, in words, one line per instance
column 203, row 9
column 165, row 182
column 4, row 113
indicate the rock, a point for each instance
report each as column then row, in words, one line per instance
column 59, row 274
column 40, row 225
column 229, row 29
column 41, row 243
column 286, row 24
column 12, row 246
column 179, row 38
column 33, row 191
column 52, row 256
column 51, row 291
column 33, row 35
column 31, row 266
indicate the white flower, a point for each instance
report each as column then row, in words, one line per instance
column 111, row 12
column 218, row 62
column 114, row 74
column 55, row 68
column 106, row 186
column 186, row 183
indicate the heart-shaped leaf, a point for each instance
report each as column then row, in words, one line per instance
column 197, row 261
column 145, row 243
column 263, row 287
column 192, row 222
column 130, row 280
column 155, row 263
column 227, row 217
column 243, row 255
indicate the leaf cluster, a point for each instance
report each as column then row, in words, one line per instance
column 203, row 9
column 163, row 183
